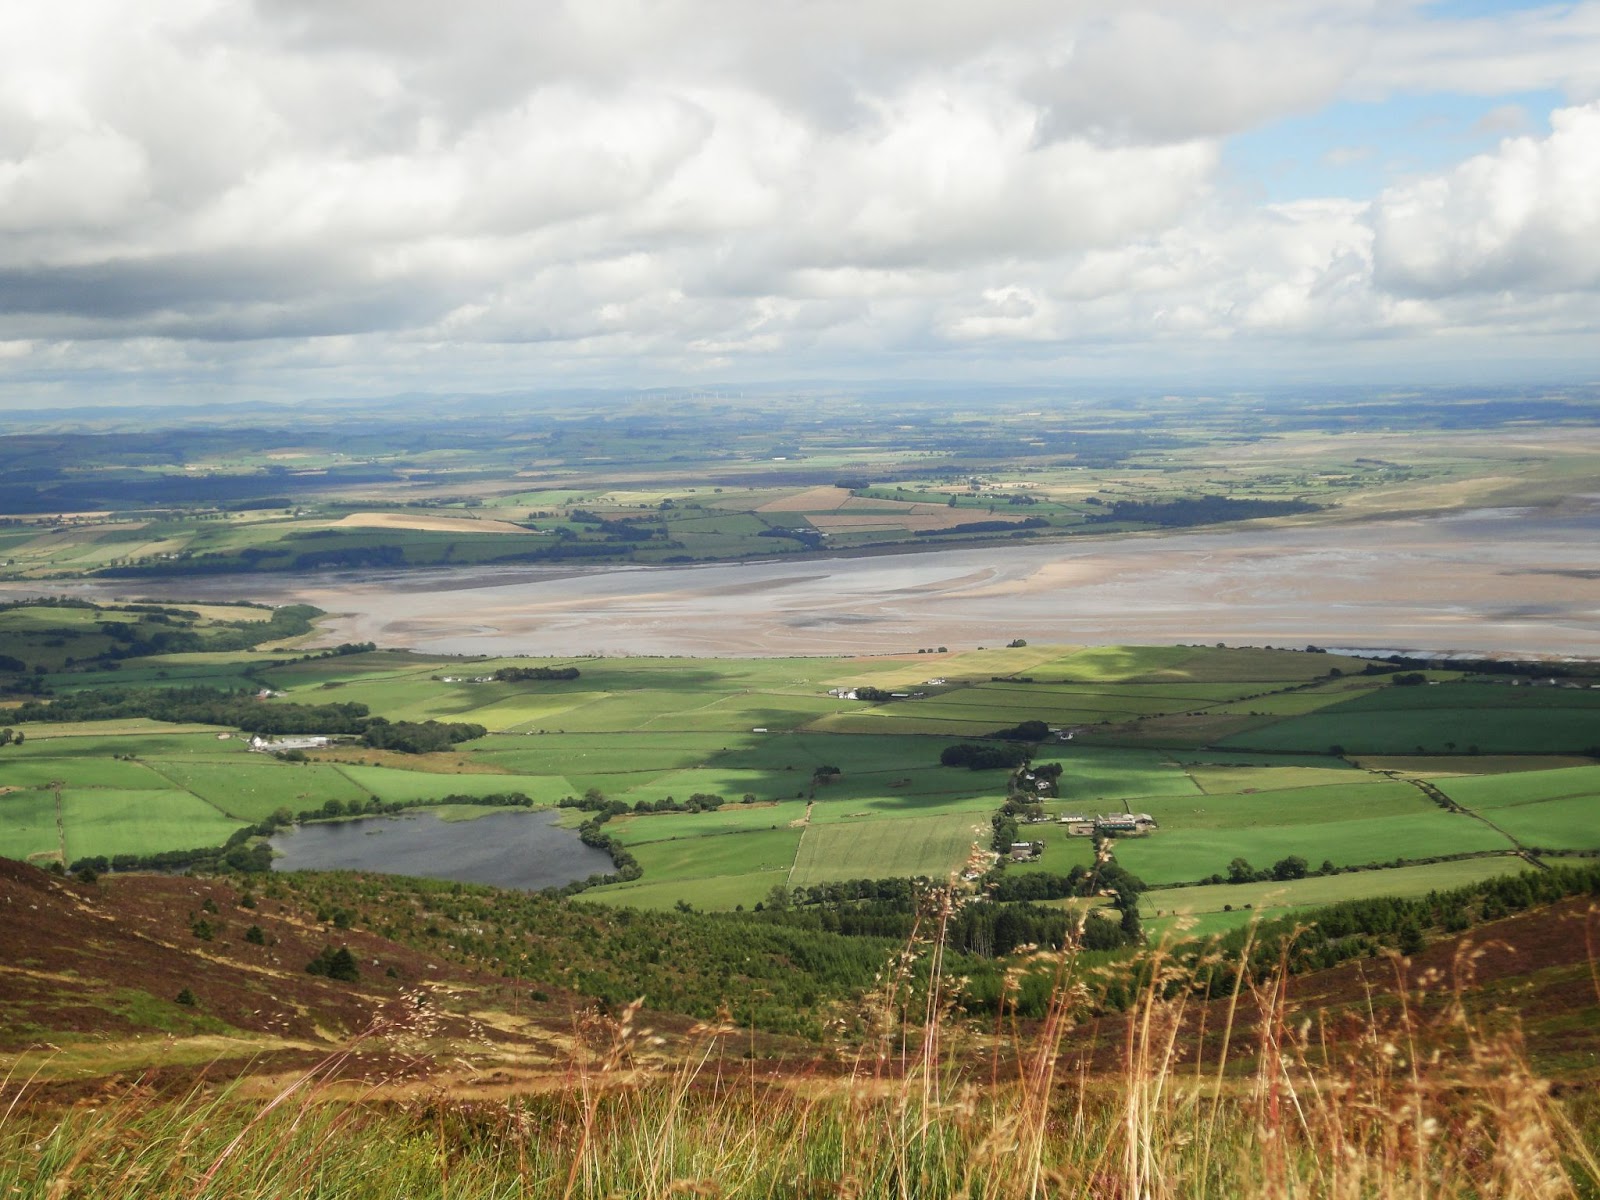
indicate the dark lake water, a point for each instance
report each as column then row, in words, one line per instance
column 512, row 849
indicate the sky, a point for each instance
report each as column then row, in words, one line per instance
column 212, row 201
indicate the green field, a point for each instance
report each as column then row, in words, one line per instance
column 411, row 787
column 252, row 791
column 107, row 821
column 1219, row 779
column 82, row 771
column 1235, row 904
column 1440, row 720
column 1093, row 776
column 1197, row 854
column 932, row 846
column 694, row 858
column 730, row 819
column 1572, row 823
column 1361, row 797
column 28, row 824
column 1061, row 851
column 642, row 731
column 1493, row 792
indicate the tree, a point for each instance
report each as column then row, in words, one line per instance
column 186, row 998
column 1292, row 867
column 337, row 964
column 254, row 936
column 1240, row 871
column 1411, row 939
column 1132, row 929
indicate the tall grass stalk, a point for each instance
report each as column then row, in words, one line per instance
column 1178, row 1096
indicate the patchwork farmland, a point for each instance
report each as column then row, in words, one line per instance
column 1259, row 757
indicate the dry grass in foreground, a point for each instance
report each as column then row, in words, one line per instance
column 1285, row 1104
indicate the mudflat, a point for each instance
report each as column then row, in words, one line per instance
column 1513, row 581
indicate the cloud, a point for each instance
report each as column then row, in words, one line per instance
column 395, row 189
column 1551, row 47
column 1177, row 72
column 1345, row 156
column 1526, row 217
column 1502, row 120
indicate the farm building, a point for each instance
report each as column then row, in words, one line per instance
column 267, row 746
column 1125, row 824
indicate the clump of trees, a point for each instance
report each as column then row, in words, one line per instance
column 199, row 705
column 1027, row 523
column 332, row 808
column 417, row 737
column 1079, row 881
column 982, row 756
column 697, row 802
column 1359, row 928
column 1200, row 510
column 243, row 710
column 1289, row 867
column 337, row 964
column 236, row 854
column 1026, row 731
column 520, row 674
column 591, row 833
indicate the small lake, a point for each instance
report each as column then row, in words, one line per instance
column 510, row 849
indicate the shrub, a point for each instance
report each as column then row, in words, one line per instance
column 337, row 964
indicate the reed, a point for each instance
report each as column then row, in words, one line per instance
column 1179, row 1097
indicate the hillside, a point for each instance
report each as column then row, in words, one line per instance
column 1380, row 1077
column 91, row 975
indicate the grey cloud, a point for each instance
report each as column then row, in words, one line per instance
column 1168, row 76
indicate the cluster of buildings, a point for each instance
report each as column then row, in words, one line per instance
column 1122, row 824
column 278, row 745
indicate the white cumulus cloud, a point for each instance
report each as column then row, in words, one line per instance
column 386, row 193
column 1526, row 217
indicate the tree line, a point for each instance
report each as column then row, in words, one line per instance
column 244, row 710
